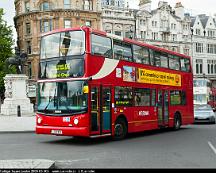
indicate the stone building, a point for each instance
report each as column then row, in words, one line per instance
column 36, row 17
column 164, row 27
column 204, row 47
column 117, row 18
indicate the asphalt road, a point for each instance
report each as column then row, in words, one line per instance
column 193, row 146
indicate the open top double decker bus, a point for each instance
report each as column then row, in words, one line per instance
column 93, row 84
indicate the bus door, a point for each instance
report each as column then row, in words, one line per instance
column 100, row 110
column 163, row 108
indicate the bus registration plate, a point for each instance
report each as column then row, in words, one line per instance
column 56, row 132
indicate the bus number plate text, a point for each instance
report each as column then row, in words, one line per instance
column 56, row 132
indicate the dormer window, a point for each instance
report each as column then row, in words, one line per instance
column 45, row 6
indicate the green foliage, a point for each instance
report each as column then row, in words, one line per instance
column 6, row 43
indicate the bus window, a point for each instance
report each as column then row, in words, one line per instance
column 164, row 61
column 157, row 60
column 123, row 96
column 72, row 43
column 101, row 46
column 142, row 97
column 151, row 55
column 185, row 64
column 153, row 97
column 177, row 97
column 140, row 54
column 122, row 51
column 174, row 62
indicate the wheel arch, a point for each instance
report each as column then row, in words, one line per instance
column 122, row 116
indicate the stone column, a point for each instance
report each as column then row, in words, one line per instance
column 15, row 95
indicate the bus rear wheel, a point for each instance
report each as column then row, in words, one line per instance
column 120, row 129
column 177, row 122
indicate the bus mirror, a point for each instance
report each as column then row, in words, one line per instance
column 85, row 89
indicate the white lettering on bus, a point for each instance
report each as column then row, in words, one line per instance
column 143, row 113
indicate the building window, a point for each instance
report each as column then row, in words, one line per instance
column 210, row 48
column 164, row 37
column 185, row 27
column 118, row 33
column 198, row 32
column 155, row 36
column 154, row 24
column 87, row 5
column 67, row 23
column 199, row 66
column 46, row 25
column 174, row 37
column 199, row 47
column 211, row 66
column 28, row 28
column 88, row 23
column 67, row 4
column 173, row 26
column 28, row 47
column 45, row 6
column 142, row 22
column 128, row 34
column 143, row 34
column 29, row 70
column 186, row 51
column 27, row 6
column 211, row 33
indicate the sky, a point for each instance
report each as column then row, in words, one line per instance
column 191, row 6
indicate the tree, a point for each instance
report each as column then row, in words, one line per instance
column 6, row 43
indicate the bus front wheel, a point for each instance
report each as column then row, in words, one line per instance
column 120, row 129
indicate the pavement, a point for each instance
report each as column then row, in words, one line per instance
column 23, row 124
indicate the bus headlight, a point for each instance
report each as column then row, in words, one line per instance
column 39, row 120
column 76, row 121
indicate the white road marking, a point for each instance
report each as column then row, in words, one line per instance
column 78, row 160
column 212, row 147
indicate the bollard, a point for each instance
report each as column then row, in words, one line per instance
column 18, row 111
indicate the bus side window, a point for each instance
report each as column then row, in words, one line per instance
column 140, row 54
column 101, row 46
column 157, row 59
column 151, row 55
column 122, row 51
column 174, row 62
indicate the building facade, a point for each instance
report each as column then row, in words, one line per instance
column 117, row 18
column 204, row 47
column 164, row 27
column 36, row 17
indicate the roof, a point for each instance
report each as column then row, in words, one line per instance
column 203, row 19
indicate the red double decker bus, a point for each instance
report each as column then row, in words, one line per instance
column 95, row 84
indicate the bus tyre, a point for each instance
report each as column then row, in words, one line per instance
column 177, row 122
column 120, row 129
